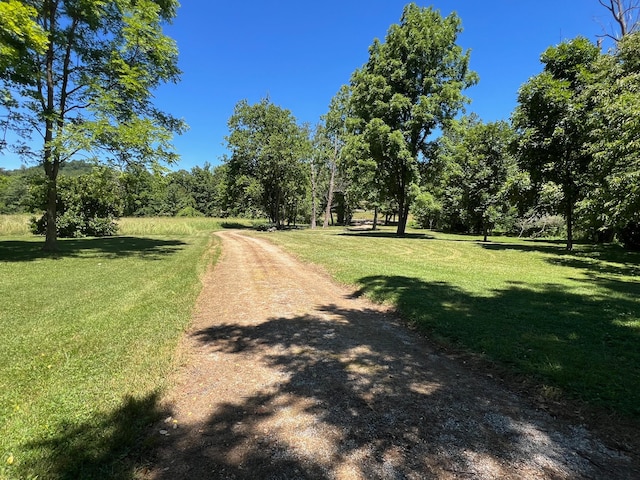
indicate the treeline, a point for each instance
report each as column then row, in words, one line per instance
column 130, row 191
column 394, row 142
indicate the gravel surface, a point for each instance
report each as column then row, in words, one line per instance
column 287, row 375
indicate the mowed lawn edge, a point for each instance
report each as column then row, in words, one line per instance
column 568, row 321
column 88, row 342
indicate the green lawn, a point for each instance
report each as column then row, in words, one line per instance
column 87, row 340
column 569, row 320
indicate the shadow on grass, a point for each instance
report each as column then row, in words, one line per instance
column 107, row 447
column 598, row 259
column 375, row 394
column 236, row 225
column 584, row 345
column 385, row 234
column 107, row 247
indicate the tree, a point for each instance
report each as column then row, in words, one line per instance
column 90, row 88
column 88, row 205
column 480, row 166
column 267, row 151
column 336, row 136
column 19, row 34
column 613, row 197
column 426, row 209
column 550, row 118
column 411, row 84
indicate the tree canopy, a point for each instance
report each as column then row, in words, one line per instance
column 550, row 118
column 411, row 84
column 266, row 166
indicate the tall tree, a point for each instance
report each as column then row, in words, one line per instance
column 550, row 117
column 90, row 88
column 480, row 166
column 267, row 152
column 613, row 198
column 411, row 84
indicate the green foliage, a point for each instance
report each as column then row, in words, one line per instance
column 613, row 197
column 426, row 210
column 550, row 118
column 266, row 167
column 88, row 205
column 479, row 174
column 328, row 166
column 19, row 34
column 630, row 236
column 189, row 211
column 411, row 84
column 15, row 193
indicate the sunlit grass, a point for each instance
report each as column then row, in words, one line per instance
column 14, row 224
column 569, row 320
column 87, row 339
column 176, row 225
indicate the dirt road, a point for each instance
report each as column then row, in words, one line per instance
column 286, row 375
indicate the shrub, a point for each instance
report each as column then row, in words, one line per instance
column 88, row 205
column 426, row 210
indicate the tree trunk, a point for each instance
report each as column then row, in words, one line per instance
column 51, row 235
column 569, row 225
column 51, row 161
column 403, row 213
column 485, row 232
column 375, row 218
column 314, row 188
column 327, row 213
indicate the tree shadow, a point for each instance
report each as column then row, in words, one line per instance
column 236, row 226
column 381, row 402
column 104, row 247
column 598, row 259
column 583, row 345
column 385, row 234
column 106, row 447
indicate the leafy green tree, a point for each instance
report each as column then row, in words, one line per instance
column 411, row 84
column 140, row 189
column 90, row 88
column 613, row 197
column 88, row 205
column 15, row 192
column 426, row 209
column 218, row 190
column 203, row 189
column 266, row 164
column 19, row 35
column 480, row 168
column 335, row 137
column 550, row 118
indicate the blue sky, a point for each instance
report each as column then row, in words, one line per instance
column 300, row 53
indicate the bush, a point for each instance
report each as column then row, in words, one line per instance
column 189, row 211
column 88, row 205
column 426, row 210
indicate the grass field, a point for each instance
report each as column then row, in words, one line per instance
column 569, row 320
column 87, row 339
